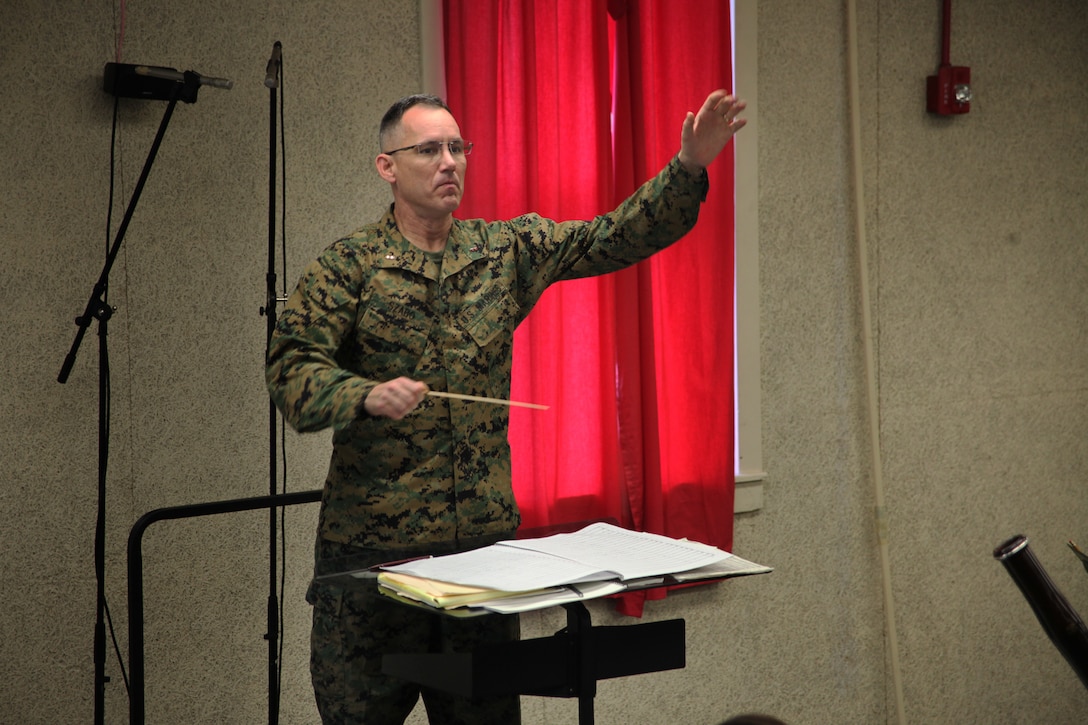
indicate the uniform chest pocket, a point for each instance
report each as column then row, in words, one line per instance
column 491, row 317
column 390, row 338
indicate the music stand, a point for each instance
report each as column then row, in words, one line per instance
column 567, row 664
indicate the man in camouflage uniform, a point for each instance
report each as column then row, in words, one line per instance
column 421, row 301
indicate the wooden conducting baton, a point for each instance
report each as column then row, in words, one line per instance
column 479, row 399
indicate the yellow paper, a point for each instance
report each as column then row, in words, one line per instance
column 437, row 593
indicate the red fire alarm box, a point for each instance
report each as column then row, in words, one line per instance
column 949, row 92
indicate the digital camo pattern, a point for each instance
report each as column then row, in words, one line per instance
column 373, row 307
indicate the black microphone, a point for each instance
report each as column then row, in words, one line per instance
column 273, row 66
column 173, row 75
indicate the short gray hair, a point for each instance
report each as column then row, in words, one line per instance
column 392, row 117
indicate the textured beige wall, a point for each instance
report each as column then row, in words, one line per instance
column 190, row 415
column 978, row 266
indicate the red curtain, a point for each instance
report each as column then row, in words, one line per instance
column 529, row 85
column 572, row 104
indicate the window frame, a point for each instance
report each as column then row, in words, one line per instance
column 747, row 382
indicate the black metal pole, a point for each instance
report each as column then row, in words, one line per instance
column 96, row 306
column 272, row 633
column 100, row 678
column 273, row 425
column 137, row 703
column 98, row 309
column 580, row 629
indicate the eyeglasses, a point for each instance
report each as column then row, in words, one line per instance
column 431, row 150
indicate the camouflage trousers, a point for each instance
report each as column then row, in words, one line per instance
column 353, row 628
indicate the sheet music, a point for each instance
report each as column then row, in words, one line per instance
column 597, row 552
column 733, row 566
column 503, row 568
column 551, row 597
column 631, row 554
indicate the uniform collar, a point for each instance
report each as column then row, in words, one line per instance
column 461, row 249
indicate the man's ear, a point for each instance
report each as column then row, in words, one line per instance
column 386, row 168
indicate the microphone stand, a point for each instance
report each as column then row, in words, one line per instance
column 269, row 311
column 98, row 309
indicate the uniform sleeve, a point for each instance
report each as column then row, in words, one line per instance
column 659, row 213
column 304, row 378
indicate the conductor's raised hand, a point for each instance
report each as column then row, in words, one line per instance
column 706, row 133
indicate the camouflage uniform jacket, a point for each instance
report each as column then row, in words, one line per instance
column 374, row 307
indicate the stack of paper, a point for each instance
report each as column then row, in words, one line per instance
column 446, row 595
column 526, row 574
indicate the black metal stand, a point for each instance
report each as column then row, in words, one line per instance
column 136, row 575
column 272, row 634
column 98, row 309
column 567, row 664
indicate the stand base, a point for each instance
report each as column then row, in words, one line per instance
column 567, row 664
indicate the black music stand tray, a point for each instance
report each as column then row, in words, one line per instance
column 567, row 664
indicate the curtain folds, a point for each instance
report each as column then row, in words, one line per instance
column 572, row 104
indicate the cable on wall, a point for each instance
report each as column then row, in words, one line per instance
column 873, row 400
